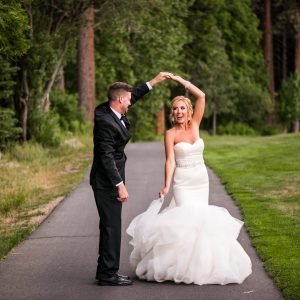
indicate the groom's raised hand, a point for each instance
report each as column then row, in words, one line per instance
column 160, row 77
column 123, row 194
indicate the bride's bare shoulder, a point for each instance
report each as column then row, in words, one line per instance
column 170, row 133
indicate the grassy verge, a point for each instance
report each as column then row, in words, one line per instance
column 33, row 180
column 263, row 176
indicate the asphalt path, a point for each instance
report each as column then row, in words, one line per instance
column 58, row 261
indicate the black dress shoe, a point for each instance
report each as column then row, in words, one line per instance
column 123, row 276
column 119, row 275
column 114, row 280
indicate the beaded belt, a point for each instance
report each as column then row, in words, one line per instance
column 189, row 164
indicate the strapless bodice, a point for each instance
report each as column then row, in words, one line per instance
column 187, row 154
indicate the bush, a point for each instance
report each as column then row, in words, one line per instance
column 45, row 129
column 236, row 129
column 66, row 107
column 266, row 131
column 8, row 128
column 289, row 100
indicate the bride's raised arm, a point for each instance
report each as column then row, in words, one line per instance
column 199, row 98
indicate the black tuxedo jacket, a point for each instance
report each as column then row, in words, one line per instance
column 110, row 139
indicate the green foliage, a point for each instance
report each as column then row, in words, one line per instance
column 54, row 27
column 8, row 127
column 239, row 25
column 66, row 107
column 236, row 129
column 7, row 84
column 45, row 128
column 225, row 59
column 147, row 39
column 9, row 130
column 253, row 101
column 13, row 27
column 289, row 99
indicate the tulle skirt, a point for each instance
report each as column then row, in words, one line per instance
column 187, row 243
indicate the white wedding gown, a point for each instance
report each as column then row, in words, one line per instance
column 190, row 242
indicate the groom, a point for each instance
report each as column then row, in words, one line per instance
column 107, row 178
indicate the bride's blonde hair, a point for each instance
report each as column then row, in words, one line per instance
column 188, row 104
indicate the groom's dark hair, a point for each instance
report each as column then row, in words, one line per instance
column 116, row 90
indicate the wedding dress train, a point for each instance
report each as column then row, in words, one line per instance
column 192, row 242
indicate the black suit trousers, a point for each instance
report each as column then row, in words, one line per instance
column 109, row 209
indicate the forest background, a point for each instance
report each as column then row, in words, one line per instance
column 57, row 59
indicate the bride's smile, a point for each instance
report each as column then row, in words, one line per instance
column 180, row 112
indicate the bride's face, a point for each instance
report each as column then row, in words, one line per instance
column 180, row 112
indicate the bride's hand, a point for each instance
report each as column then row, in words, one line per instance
column 172, row 76
column 164, row 191
column 176, row 78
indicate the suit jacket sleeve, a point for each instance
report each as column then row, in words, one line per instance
column 104, row 144
column 138, row 92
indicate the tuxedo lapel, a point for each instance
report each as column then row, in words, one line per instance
column 118, row 121
column 126, row 122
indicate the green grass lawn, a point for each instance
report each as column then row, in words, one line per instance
column 33, row 180
column 262, row 174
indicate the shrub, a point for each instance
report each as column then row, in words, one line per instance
column 45, row 129
column 8, row 128
column 66, row 107
column 289, row 100
column 236, row 129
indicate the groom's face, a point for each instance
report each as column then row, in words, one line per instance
column 125, row 101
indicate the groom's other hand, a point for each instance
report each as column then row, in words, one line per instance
column 123, row 194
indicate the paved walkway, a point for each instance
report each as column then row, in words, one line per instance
column 58, row 260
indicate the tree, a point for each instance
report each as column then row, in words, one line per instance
column 9, row 129
column 287, row 22
column 268, row 45
column 86, row 64
column 13, row 42
column 147, row 39
column 289, row 100
column 54, row 26
column 13, row 27
column 225, row 47
column 211, row 68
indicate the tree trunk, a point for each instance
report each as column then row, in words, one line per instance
column 214, row 123
column 296, row 126
column 297, row 69
column 160, row 122
column 60, row 80
column 284, row 55
column 23, row 105
column 268, row 45
column 45, row 103
column 86, row 64
column 297, row 51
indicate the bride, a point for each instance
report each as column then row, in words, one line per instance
column 191, row 241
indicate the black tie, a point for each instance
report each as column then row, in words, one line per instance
column 126, row 122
